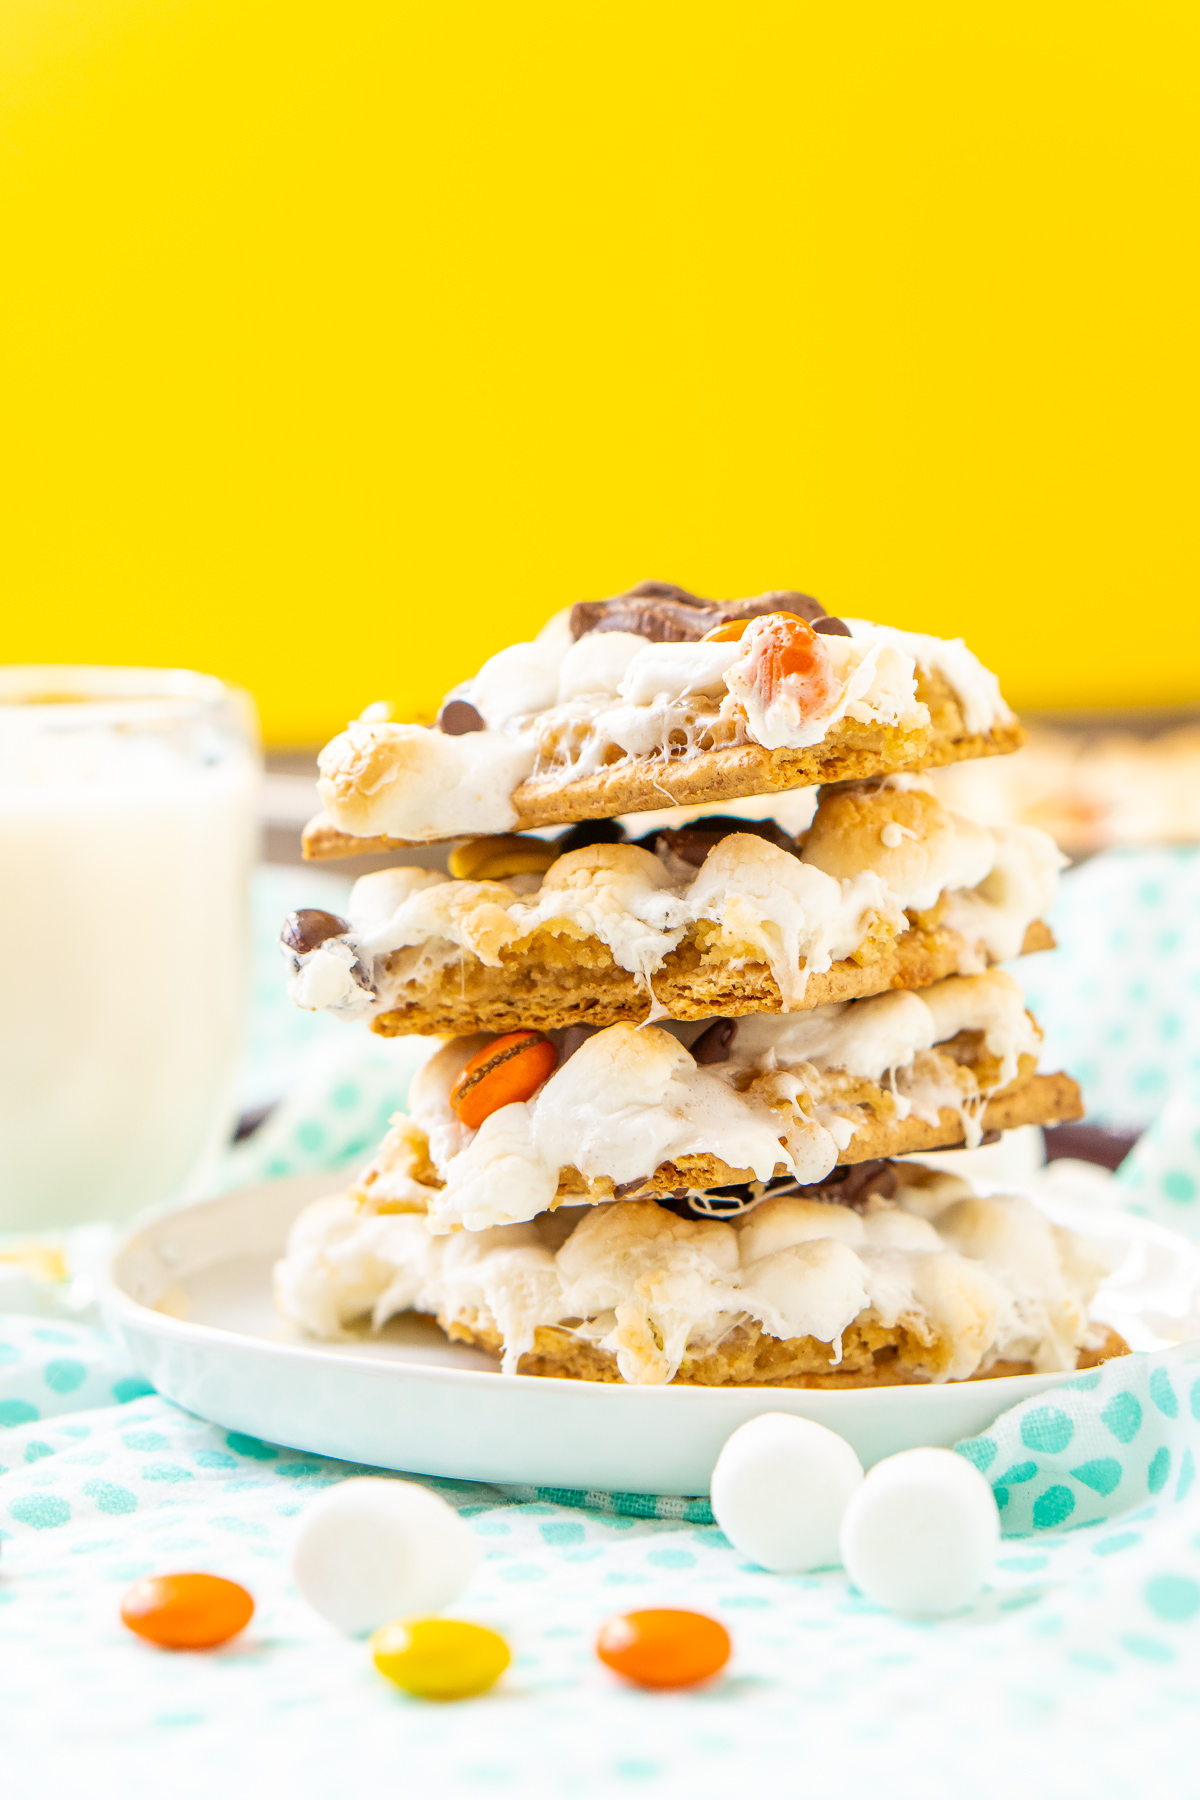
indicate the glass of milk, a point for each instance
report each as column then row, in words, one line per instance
column 128, row 802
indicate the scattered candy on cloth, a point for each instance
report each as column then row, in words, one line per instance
column 1076, row 1674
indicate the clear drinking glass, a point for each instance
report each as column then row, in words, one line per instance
column 128, row 801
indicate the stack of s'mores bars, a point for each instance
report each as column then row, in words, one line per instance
column 706, row 955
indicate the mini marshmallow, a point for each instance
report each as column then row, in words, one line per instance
column 780, row 1489
column 921, row 1533
column 371, row 1550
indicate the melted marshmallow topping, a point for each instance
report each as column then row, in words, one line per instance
column 558, row 710
column 975, row 688
column 408, row 782
column 873, row 854
column 632, row 1099
column 978, row 1279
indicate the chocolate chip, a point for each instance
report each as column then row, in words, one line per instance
column 591, row 831
column 714, row 1044
column 693, row 843
column 852, row 1183
column 361, row 976
column 667, row 614
column 305, row 930
column 458, row 717
column 629, row 1187
column 831, row 627
column 572, row 1038
column 689, row 846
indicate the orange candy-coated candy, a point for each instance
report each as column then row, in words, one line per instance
column 664, row 1648
column 186, row 1612
column 728, row 633
column 787, row 649
column 510, row 1068
column 733, row 629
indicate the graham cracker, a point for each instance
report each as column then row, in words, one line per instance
column 873, row 1355
column 851, row 752
column 552, row 983
column 1032, row 1099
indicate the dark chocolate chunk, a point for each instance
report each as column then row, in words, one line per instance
column 670, row 615
column 831, row 627
column 572, row 1037
column 693, row 843
column 305, row 930
column 458, row 717
column 590, row 831
column 714, row 1044
column 1090, row 1143
column 249, row 1122
column 629, row 1187
column 662, row 590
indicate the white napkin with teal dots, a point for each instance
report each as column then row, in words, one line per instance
column 1076, row 1674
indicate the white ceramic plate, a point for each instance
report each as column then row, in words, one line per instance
column 190, row 1291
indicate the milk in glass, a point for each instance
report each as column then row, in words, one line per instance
column 127, row 828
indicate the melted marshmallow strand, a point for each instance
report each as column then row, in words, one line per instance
column 976, row 1280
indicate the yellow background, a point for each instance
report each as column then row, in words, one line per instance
column 343, row 344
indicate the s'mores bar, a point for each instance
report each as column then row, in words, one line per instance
column 656, row 697
column 500, row 1129
column 905, row 1276
column 886, row 888
column 750, row 960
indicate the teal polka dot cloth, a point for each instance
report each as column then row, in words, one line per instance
column 1075, row 1674
column 344, row 1095
column 1160, row 1178
column 1119, row 999
column 1100, row 1445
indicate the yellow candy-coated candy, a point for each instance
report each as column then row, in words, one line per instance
column 440, row 1659
column 495, row 858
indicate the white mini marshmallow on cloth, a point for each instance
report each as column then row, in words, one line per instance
column 780, row 1489
column 921, row 1533
column 372, row 1550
